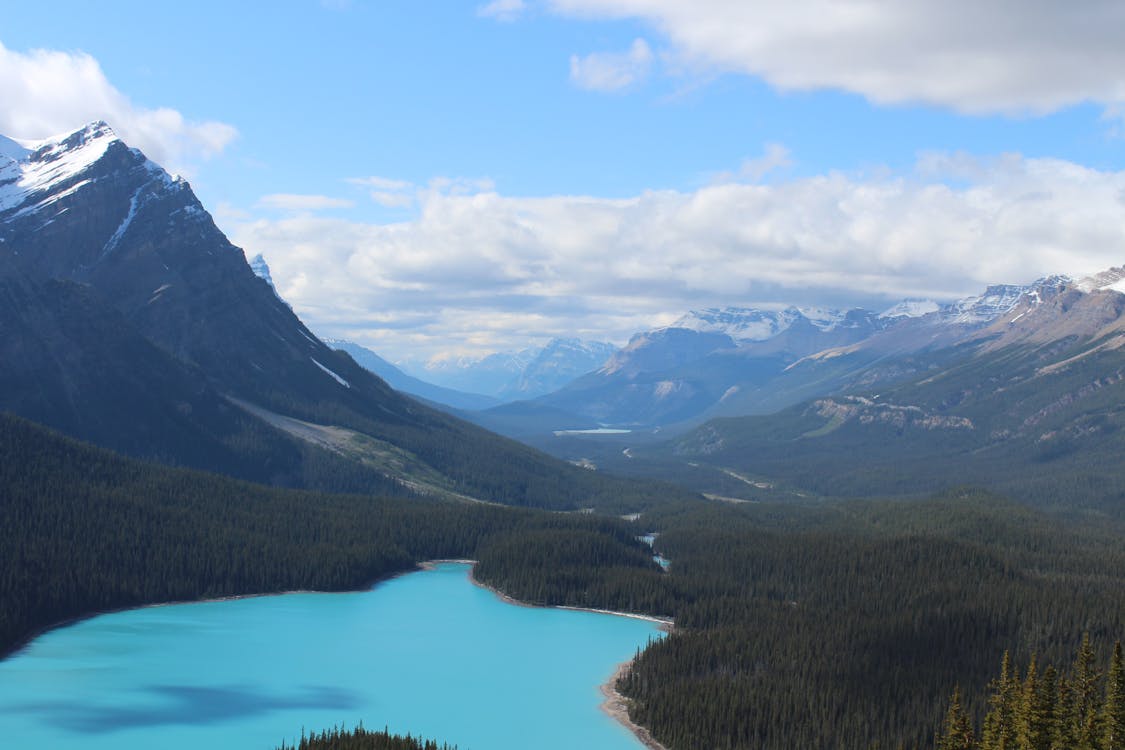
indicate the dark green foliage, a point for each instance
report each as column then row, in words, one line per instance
column 1050, row 436
column 848, row 624
column 361, row 739
column 1039, row 713
column 843, row 624
column 957, row 731
column 83, row 530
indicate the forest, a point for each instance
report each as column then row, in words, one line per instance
column 1048, row 708
column 826, row 623
column 362, row 739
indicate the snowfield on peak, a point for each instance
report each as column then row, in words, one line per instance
column 911, row 308
column 755, row 324
column 33, row 173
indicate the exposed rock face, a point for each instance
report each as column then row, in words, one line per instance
column 91, row 210
column 866, row 411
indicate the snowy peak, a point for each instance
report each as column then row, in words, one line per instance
column 262, row 271
column 996, row 300
column 36, row 174
column 910, row 308
column 1111, row 279
column 740, row 323
column 559, row 362
column 746, row 324
column 12, row 150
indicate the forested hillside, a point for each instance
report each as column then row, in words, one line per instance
column 83, row 530
column 818, row 624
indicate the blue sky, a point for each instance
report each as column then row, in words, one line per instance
column 464, row 177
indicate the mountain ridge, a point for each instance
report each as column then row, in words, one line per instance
column 87, row 210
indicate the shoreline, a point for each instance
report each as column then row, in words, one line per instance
column 613, row 704
column 23, row 643
column 617, row 706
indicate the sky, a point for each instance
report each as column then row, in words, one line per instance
column 459, row 177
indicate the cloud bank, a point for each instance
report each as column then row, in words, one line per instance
column 47, row 92
column 1002, row 56
column 480, row 271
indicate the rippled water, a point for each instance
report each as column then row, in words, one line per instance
column 427, row 653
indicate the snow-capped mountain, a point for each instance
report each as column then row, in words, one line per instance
column 262, row 270
column 1112, row 279
column 754, row 324
column 910, row 308
column 130, row 320
column 996, row 300
column 740, row 323
column 556, row 364
column 523, row 374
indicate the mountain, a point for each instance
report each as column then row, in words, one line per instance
column 708, row 360
column 112, row 266
column 528, row 373
column 1021, row 390
column 556, row 364
column 408, row 384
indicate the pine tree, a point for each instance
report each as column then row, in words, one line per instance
column 958, row 729
column 1062, row 735
column 1113, row 709
column 1033, row 718
column 999, row 724
column 1085, row 681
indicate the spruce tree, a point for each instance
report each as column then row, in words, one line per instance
column 1113, row 709
column 1085, row 681
column 957, row 731
column 999, row 724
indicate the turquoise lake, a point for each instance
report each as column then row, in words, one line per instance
column 427, row 653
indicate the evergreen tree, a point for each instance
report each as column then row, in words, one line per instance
column 999, row 724
column 1113, row 710
column 1085, row 681
column 958, row 729
column 1062, row 738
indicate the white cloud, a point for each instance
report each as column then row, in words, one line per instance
column 381, row 183
column 612, row 71
column 502, row 10
column 775, row 158
column 479, row 270
column 388, row 192
column 298, row 202
column 47, row 92
column 1006, row 56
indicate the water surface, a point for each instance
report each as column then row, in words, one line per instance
column 427, row 653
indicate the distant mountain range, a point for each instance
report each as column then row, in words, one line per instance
column 1020, row 389
column 129, row 320
column 735, row 361
column 526, row 374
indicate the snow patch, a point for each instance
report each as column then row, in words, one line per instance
column 41, row 165
column 911, row 308
column 335, row 377
column 132, row 212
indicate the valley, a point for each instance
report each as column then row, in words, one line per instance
column 853, row 513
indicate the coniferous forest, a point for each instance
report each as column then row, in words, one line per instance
column 818, row 624
column 362, row 739
column 1083, row 707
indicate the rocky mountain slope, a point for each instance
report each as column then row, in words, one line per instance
column 159, row 296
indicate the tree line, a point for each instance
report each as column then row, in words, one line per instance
column 1045, row 709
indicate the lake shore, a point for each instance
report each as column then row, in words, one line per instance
column 617, row 706
column 614, row 704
